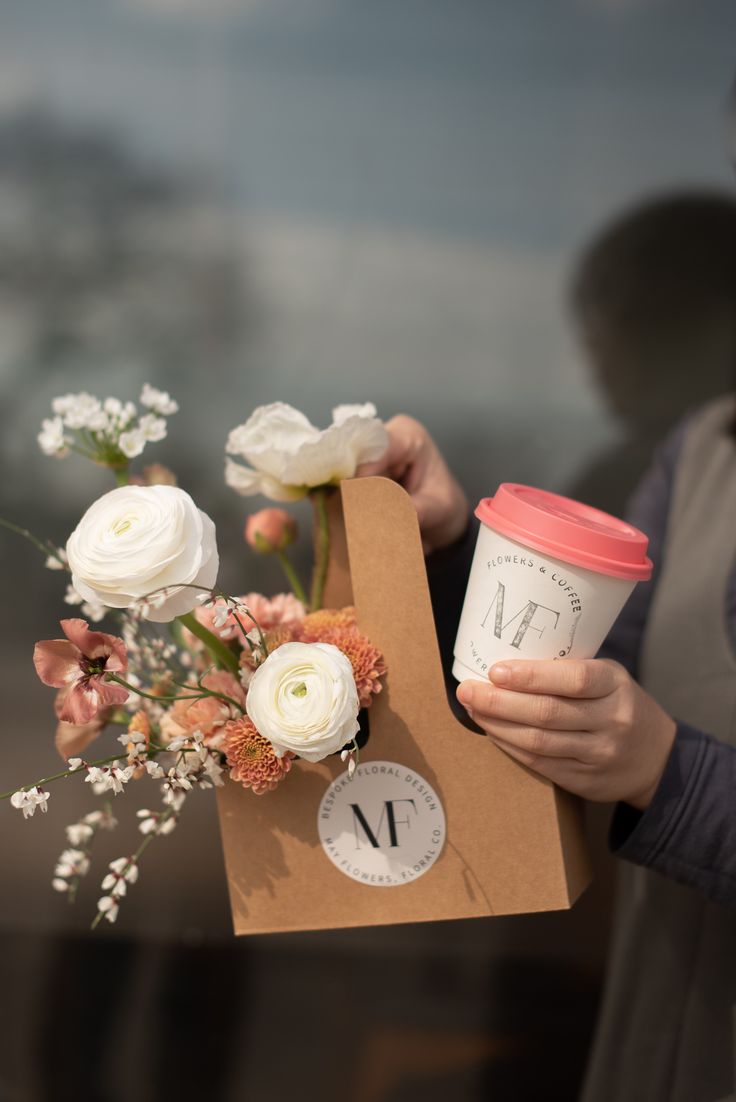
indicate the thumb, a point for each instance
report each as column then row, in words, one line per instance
column 394, row 462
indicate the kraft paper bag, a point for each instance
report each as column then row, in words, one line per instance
column 437, row 822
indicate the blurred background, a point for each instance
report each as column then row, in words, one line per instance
column 513, row 221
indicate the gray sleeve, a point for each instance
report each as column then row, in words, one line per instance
column 688, row 832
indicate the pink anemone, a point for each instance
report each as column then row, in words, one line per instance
column 80, row 664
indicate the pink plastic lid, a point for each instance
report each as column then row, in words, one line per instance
column 567, row 530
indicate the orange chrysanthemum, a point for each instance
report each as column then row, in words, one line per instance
column 326, row 619
column 140, row 724
column 368, row 663
column 251, row 757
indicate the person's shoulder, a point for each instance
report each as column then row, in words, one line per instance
column 716, row 415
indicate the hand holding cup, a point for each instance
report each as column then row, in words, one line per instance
column 584, row 724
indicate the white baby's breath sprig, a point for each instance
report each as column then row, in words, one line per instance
column 107, row 907
column 81, row 833
column 159, row 822
column 108, row 432
column 52, row 440
column 30, row 800
column 158, row 400
column 196, row 766
column 32, row 796
column 57, row 560
column 72, row 865
column 136, row 746
column 74, row 862
column 93, row 610
column 124, row 871
column 109, row 778
column 351, row 754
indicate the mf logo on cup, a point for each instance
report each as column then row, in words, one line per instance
column 521, row 605
column 523, row 619
column 383, row 828
column 548, row 579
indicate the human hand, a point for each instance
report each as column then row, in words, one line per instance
column 414, row 461
column 586, row 725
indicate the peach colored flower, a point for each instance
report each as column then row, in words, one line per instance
column 367, row 661
column 206, row 616
column 207, row 715
column 271, row 612
column 251, row 757
column 139, row 724
column 275, row 638
column 80, row 663
column 327, row 618
column 270, row 530
column 71, row 739
column 156, row 474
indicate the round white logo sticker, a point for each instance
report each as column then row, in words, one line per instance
column 383, row 828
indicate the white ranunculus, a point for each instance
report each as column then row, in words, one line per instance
column 287, row 455
column 138, row 539
column 303, row 699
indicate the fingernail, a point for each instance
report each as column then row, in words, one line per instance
column 465, row 693
column 500, row 673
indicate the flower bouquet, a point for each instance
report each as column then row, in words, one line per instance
column 199, row 684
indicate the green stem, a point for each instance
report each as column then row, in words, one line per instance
column 121, row 476
column 322, row 548
column 45, row 547
column 81, row 451
column 292, row 577
column 222, row 654
column 259, row 629
column 142, row 692
column 198, row 693
column 246, row 637
column 204, row 691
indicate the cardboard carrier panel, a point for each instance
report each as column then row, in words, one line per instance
column 509, row 842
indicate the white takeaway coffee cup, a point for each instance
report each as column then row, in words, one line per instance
column 549, row 577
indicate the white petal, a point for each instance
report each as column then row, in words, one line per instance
column 315, row 722
column 270, row 435
column 247, row 482
column 132, row 443
column 138, row 539
column 341, row 413
column 185, row 599
column 338, row 452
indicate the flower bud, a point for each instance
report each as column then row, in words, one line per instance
column 270, row 530
column 154, row 475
